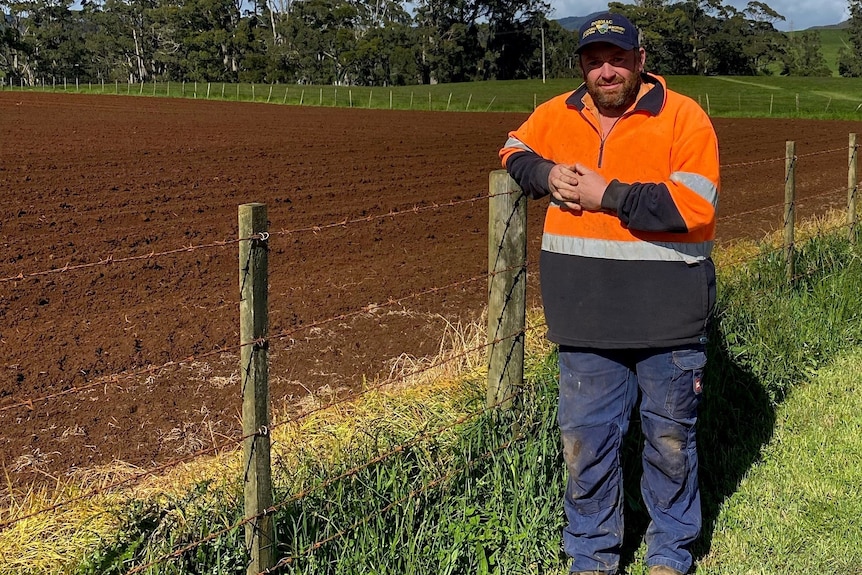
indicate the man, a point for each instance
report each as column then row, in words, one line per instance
column 628, row 287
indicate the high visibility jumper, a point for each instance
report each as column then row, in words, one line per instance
column 638, row 273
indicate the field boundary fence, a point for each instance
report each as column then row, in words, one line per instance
column 771, row 102
column 503, row 350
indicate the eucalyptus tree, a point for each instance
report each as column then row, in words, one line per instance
column 850, row 57
column 42, row 39
column 335, row 41
column 516, row 29
column 764, row 45
column 803, row 56
column 463, row 40
column 725, row 50
column 560, row 45
column 705, row 36
column 206, row 34
column 448, row 40
column 16, row 50
column 124, row 38
column 318, row 39
column 671, row 34
column 385, row 56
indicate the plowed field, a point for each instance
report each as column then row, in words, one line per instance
column 91, row 181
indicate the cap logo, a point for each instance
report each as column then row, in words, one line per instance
column 603, row 27
column 612, row 28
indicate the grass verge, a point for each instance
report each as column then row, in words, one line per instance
column 798, row 510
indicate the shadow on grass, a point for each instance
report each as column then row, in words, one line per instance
column 736, row 420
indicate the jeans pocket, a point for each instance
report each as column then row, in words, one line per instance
column 686, row 386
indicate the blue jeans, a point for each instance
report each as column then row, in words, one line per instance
column 598, row 391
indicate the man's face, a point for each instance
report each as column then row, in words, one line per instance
column 612, row 75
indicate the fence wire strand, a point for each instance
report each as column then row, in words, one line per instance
column 306, row 492
column 235, row 442
column 373, row 217
column 110, row 260
column 400, row 378
column 114, row 379
column 798, row 201
column 411, row 495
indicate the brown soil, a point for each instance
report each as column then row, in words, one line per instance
column 88, row 178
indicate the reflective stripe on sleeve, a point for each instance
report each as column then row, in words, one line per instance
column 700, row 185
column 627, row 250
column 513, row 142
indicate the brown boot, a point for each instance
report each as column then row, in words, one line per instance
column 663, row 570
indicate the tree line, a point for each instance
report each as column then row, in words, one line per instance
column 381, row 42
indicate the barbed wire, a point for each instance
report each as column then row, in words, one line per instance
column 352, row 472
column 402, row 377
column 781, row 204
column 115, row 379
column 412, row 494
column 109, row 260
column 391, row 301
column 781, row 159
column 306, row 492
column 216, row 448
column 315, row 228
column 779, row 250
column 112, row 260
column 128, row 481
column 288, row 333
column 392, row 214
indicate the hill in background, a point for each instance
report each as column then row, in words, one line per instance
column 574, row 22
column 840, row 26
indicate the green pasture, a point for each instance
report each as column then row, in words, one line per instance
column 831, row 39
column 720, row 96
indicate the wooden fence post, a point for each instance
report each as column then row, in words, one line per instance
column 507, row 288
column 852, row 186
column 789, row 207
column 259, row 535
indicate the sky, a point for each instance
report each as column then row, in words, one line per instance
column 798, row 14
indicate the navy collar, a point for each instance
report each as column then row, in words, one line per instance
column 652, row 102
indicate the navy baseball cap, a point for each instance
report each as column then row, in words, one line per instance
column 614, row 29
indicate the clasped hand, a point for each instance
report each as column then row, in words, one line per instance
column 577, row 187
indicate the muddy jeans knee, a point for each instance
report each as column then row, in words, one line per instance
column 597, row 394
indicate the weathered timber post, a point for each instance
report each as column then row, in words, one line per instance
column 507, row 287
column 852, row 186
column 789, row 207
column 259, row 536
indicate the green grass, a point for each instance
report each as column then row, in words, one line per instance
column 799, row 510
column 728, row 96
column 831, row 40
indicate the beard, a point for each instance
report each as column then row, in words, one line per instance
column 620, row 99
